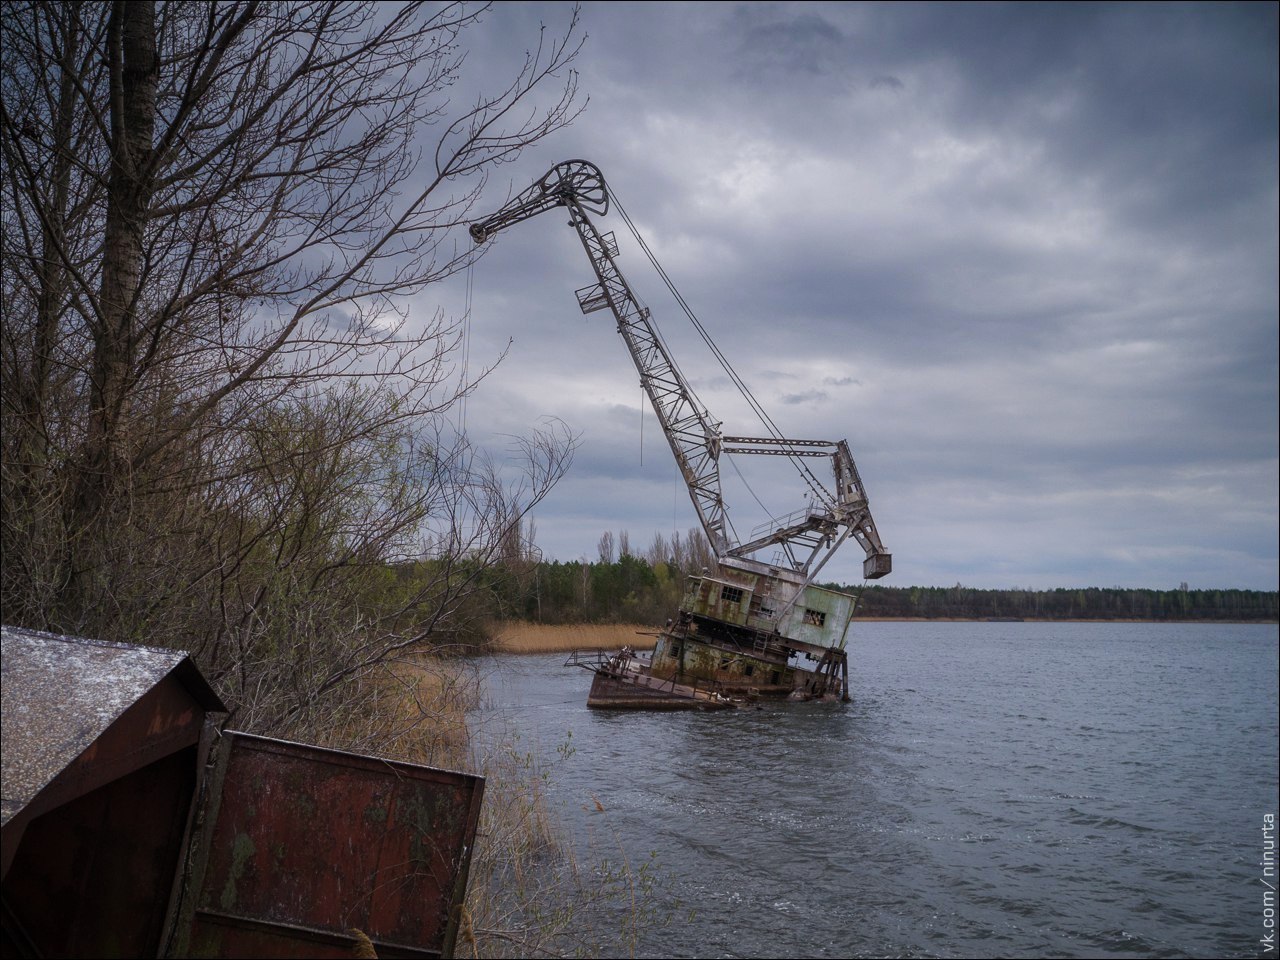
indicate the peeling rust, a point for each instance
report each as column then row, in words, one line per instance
column 319, row 840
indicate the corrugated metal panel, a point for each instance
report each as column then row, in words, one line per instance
column 302, row 845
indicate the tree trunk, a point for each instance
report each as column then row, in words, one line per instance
column 133, row 71
column 101, row 479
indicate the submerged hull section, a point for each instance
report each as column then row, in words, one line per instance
column 752, row 666
column 624, row 681
column 741, row 635
column 641, row 691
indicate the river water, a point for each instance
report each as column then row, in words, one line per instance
column 993, row 790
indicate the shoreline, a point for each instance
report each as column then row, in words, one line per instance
column 1047, row 620
column 522, row 637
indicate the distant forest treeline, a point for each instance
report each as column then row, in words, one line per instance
column 1091, row 603
column 624, row 588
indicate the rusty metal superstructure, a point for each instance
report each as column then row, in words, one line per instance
column 765, row 611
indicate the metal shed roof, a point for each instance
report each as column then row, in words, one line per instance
column 60, row 694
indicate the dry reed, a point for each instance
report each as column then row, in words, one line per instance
column 528, row 894
column 518, row 636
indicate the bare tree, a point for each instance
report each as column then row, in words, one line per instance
column 604, row 548
column 215, row 403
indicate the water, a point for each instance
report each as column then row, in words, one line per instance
column 995, row 789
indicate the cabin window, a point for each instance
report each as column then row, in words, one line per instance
column 815, row 618
column 775, row 677
column 748, row 670
column 730, row 594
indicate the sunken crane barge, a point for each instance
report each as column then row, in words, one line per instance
column 744, row 628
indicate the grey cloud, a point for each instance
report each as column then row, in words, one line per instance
column 771, row 38
column 807, row 397
column 886, row 81
column 1047, row 262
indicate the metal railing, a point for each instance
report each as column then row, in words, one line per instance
column 627, row 668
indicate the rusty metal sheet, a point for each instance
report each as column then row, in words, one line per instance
column 92, row 877
column 99, row 770
column 302, row 845
column 62, row 694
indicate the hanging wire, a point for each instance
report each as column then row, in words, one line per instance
column 466, row 348
column 642, row 399
column 733, row 463
column 812, row 481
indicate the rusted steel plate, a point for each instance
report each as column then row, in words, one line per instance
column 64, row 697
column 92, row 877
column 99, row 768
column 302, row 845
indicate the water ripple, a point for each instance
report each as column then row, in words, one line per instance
column 995, row 790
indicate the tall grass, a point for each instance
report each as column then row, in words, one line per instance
column 532, row 891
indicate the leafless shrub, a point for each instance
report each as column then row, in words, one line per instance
column 222, row 429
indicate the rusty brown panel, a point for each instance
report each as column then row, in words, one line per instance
column 79, row 713
column 306, row 844
column 91, row 877
column 164, row 721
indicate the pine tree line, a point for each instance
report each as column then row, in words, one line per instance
column 1089, row 603
column 646, row 586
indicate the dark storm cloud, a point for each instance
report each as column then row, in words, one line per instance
column 1023, row 256
column 1171, row 110
column 772, row 42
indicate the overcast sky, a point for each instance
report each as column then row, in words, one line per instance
column 1022, row 257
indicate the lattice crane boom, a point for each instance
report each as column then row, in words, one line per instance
column 806, row 539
